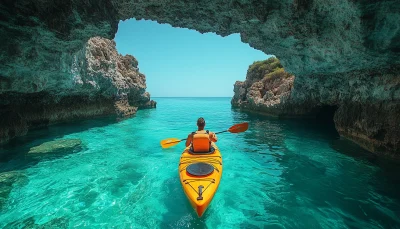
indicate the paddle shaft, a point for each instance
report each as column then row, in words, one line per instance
column 241, row 127
column 186, row 138
column 222, row 131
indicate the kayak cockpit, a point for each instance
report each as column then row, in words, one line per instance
column 211, row 151
column 200, row 169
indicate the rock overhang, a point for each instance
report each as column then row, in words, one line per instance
column 40, row 40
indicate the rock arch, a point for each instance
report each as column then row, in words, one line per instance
column 320, row 38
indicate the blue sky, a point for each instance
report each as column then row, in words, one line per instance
column 179, row 62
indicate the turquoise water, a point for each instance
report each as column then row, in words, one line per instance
column 278, row 174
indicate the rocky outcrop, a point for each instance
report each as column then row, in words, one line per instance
column 40, row 39
column 267, row 89
column 102, row 82
column 366, row 103
column 101, row 70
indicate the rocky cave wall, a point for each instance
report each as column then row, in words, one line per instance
column 102, row 82
column 316, row 38
column 367, row 102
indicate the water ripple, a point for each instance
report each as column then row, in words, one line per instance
column 278, row 174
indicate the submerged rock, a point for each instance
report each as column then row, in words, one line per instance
column 7, row 181
column 363, row 105
column 30, row 222
column 56, row 146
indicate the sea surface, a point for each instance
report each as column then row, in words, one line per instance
column 278, row 174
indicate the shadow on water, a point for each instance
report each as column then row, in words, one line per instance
column 61, row 222
column 180, row 213
column 273, row 131
column 362, row 196
column 343, row 180
column 388, row 168
column 17, row 148
column 14, row 157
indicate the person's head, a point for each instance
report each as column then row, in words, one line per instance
column 201, row 123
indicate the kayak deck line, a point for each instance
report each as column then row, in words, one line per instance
column 211, row 182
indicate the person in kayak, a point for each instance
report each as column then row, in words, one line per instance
column 201, row 139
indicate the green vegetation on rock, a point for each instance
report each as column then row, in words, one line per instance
column 267, row 88
column 266, row 69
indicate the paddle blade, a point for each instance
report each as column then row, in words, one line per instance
column 166, row 143
column 241, row 127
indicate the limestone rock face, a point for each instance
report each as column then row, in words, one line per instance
column 101, row 82
column 366, row 102
column 368, row 105
column 39, row 37
column 267, row 89
column 101, row 70
column 39, row 41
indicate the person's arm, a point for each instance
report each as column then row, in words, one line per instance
column 189, row 139
column 213, row 137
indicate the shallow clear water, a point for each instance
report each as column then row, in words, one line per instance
column 278, row 174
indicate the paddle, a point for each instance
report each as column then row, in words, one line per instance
column 241, row 127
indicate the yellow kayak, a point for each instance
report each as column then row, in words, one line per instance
column 200, row 175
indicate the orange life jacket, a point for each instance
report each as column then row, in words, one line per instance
column 201, row 141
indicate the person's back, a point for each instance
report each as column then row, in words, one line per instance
column 201, row 139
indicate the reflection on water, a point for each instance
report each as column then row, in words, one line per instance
column 278, row 174
column 322, row 176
